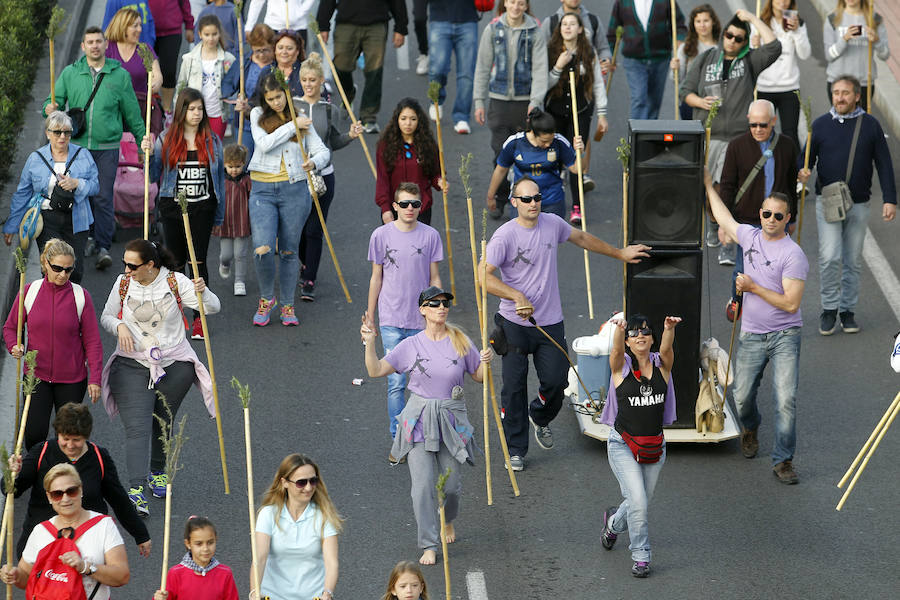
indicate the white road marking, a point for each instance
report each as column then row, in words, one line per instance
column 476, row 586
column 881, row 270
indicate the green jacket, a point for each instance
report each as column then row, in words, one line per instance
column 114, row 103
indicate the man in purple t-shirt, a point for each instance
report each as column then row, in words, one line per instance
column 772, row 282
column 404, row 255
column 524, row 249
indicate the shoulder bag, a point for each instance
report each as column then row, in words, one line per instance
column 835, row 197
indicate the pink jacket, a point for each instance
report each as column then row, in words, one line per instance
column 169, row 15
column 63, row 344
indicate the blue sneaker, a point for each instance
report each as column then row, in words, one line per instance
column 157, row 482
column 261, row 318
column 136, row 495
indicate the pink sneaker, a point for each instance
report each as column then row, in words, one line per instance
column 288, row 318
column 261, row 318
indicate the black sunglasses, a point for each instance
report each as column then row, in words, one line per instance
column 132, row 267
column 759, row 125
column 65, row 132
column 408, row 203
column 640, row 331
column 737, row 38
column 60, row 269
column 768, row 213
column 438, row 302
column 302, row 483
column 529, row 199
column 71, row 492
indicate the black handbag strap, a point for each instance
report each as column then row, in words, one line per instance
column 93, row 91
column 853, row 148
column 754, row 172
column 68, row 164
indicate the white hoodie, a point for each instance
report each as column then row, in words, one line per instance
column 784, row 74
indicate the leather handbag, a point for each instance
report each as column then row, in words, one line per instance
column 835, row 197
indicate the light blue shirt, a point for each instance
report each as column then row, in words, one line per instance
column 295, row 568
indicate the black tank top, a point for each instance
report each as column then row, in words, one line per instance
column 641, row 404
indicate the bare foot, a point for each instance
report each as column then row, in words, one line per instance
column 449, row 533
column 428, row 558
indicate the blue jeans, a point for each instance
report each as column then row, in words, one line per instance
column 755, row 351
column 277, row 214
column 107, row 162
column 390, row 337
column 461, row 39
column 840, row 250
column 646, row 84
column 637, row 482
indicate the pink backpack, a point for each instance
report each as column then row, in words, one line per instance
column 128, row 191
column 52, row 579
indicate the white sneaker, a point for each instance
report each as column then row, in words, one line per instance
column 422, row 65
column 240, row 289
column 224, row 270
column 462, row 128
column 433, row 114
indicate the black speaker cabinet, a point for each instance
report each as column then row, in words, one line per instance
column 665, row 185
column 669, row 283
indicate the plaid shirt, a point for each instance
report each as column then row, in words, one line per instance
column 656, row 42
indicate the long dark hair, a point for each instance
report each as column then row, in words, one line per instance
column 174, row 147
column 271, row 120
column 636, row 321
column 148, row 251
column 584, row 57
column 391, row 142
column 693, row 39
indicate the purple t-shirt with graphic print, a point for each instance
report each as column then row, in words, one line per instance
column 527, row 260
column 767, row 263
column 405, row 258
column 434, row 368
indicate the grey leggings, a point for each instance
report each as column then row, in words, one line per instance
column 137, row 404
column 235, row 249
column 424, row 469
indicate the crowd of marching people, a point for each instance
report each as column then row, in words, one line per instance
column 240, row 136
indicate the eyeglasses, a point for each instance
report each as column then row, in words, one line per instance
column 529, row 199
column 760, row 125
column 437, row 302
column 302, row 483
column 71, row 492
column 408, row 203
column 737, row 38
column 640, row 331
column 266, row 50
column 767, row 214
column 61, row 132
column 132, row 267
column 408, row 149
column 60, row 268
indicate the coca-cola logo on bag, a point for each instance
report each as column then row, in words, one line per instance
column 54, row 576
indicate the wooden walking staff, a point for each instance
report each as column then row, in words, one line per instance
column 314, row 27
column 309, row 183
column 485, row 384
column 612, row 63
column 147, row 58
column 56, row 26
column 172, row 445
column 21, row 267
column 442, row 481
column 182, row 202
column 870, row 23
column 433, row 90
column 30, row 383
column 587, row 266
column 675, row 54
column 807, row 112
column 243, row 392
column 882, row 428
column 238, row 13
column 623, row 150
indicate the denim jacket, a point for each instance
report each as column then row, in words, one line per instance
column 35, row 179
column 167, row 177
column 511, row 63
column 270, row 148
column 522, row 68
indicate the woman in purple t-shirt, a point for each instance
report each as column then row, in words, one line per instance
column 434, row 435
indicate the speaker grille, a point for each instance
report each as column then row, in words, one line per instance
column 666, row 207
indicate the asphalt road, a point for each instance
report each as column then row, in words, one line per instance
column 721, row 526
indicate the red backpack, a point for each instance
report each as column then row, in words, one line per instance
column 52, row 579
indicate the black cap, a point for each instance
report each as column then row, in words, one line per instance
column 432, row 293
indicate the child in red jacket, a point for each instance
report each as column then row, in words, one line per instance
column 199, row 576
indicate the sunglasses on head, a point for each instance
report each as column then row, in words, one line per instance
column 737, row 38
column 759, row 125
column 302, row 483
column 640, row 331
column 66, row 132
column 766, row 214
column 132, row 267
column 60, row 269
column 408, row 203
column 529, row 199
column 71, row 492
column 437, row 302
